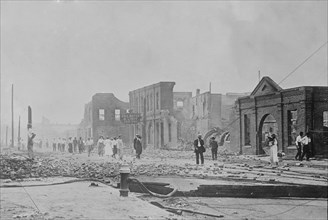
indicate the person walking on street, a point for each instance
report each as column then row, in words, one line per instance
column 306, row 147
column 70, row 145
column 274, row 150
column 54, row 144
column 58, row 144
column 120, row 147
column 89, row 146
column 80, row 145
column 101, row 146
column 108, row 147
column 214, row 148
column 75, row 145
column 63, row 144
column 30, row 142
column 114, row 141
column 138, row 146
column 298, row 143
column 199, row 149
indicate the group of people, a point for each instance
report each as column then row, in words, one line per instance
column 303, row 146
column 110, row 147
column 71, row 145
column 199, row 148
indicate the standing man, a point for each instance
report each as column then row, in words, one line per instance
column 101, row 146
column 70, row 145
column 59, row 144
column 298, row 143
column 47, row 143
column 306, row 147
column 54, row 145
column 63, row 144
column 214, row 148
column 114, row 147
column 199, row 149
column 138, row 146
column 89, row 146
column 120, row 147
column 80, row 145
column 75, row 145
column 30, row 142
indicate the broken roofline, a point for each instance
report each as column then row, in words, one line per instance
column 152, row 86
column 299, row 88
column 276, row 87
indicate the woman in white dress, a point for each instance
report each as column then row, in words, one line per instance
column 274, row 150
column 108, row 149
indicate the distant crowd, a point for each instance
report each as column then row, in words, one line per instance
column 105, row 147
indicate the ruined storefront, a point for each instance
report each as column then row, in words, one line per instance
column 102, row 117
column 285, row 112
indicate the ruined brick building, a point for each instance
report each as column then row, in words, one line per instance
column 102, row 117
column 169, row 118
column 155, row 103
column 284, row 112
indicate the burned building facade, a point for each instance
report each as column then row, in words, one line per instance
column 158, row 126
column 206, row 112
column 171, row 118
column 102, row 117
column 285, row 112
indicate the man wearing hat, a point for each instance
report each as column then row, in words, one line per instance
column 214, row 148
column 199, row 149
column 137, row 145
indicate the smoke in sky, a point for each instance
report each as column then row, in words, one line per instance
column 59, row 54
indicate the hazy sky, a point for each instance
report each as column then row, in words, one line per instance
column 58, row 54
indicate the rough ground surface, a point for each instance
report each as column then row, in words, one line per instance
column 75, row 201
column 47, row 167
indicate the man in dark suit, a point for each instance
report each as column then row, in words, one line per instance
column 199, row 149
column 138, row 146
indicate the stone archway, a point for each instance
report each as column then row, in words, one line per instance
column 268, row 126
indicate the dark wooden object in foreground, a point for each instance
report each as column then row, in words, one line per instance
column 239, row 191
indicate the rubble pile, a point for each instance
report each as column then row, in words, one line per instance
column 18, row 167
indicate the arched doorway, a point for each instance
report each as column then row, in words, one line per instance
column 268, row 126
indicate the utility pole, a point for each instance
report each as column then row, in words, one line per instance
column 29, row 116
column 12, row 115
column 18, row 137
column 7, row 136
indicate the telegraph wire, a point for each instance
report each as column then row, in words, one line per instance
column 289, row 74
column 301, row 64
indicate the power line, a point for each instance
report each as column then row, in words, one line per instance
column 289, row 74
column 316, row 51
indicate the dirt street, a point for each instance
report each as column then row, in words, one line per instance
column 55, row 202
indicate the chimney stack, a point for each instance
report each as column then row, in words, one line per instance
column 197, row 92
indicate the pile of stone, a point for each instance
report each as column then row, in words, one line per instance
column 18, row 167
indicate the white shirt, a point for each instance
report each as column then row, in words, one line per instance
column 298, row 139
column 119, row 143
column 306, row 140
